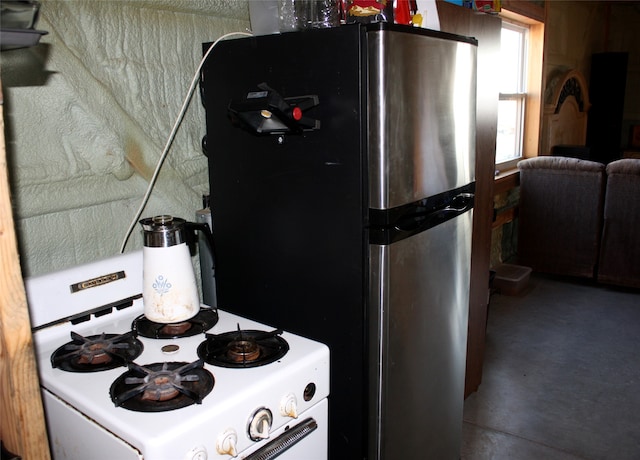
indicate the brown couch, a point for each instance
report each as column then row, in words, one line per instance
column 560, row 215
column 580, row 218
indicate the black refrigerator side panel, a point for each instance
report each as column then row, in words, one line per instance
column 289, row 211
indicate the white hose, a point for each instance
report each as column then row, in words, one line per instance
column 172, row 135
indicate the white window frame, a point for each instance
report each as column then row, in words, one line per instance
column 520, row 96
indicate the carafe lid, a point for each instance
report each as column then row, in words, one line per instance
column 163, row 231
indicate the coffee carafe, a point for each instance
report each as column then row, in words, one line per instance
column 169, row 292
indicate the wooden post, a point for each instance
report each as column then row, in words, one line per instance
column 486, row 28
column 22, row 425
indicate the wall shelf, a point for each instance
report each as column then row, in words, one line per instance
column 19, row 38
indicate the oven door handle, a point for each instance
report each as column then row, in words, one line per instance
column 283, row 442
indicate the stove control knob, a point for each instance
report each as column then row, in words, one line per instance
column 260, row 424
column 197, row 453
column 227, row 442
column 289, row 406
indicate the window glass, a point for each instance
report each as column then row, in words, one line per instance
column 507, row 142
column 510, row 65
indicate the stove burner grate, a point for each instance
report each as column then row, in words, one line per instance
column 97, row 352
column 162, row 387
column 202, row 322
column 243, row 348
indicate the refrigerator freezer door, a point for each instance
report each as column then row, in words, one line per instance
column 421, row 116
column 418, row 330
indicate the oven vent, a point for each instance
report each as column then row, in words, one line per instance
column 97, row 312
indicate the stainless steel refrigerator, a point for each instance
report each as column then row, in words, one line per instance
column 341, row 167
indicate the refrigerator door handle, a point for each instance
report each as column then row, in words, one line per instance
column 461, row 203
column 392, row 225
column 419, row 221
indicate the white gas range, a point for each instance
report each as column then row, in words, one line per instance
column 191, row 398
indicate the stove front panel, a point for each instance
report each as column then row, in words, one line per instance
column 73, row 437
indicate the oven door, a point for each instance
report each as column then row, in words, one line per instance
column 306, row 438
column 73, row 436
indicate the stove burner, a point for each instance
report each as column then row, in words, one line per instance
column 202, row 322
column 241, row 349
column 162, row 387
column 97, row 352
column 176, row 329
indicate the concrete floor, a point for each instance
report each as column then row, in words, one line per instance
column 561, row 375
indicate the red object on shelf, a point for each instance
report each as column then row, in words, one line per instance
column 487, row 6
column 402, row 13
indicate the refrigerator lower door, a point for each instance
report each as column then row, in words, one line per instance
column 417, row 336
